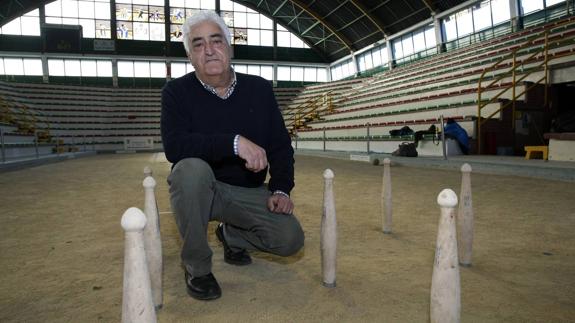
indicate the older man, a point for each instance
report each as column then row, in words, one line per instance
column 222, row 131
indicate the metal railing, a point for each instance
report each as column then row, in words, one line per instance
column 22, row 117
column 518, row 66
column 310, row 110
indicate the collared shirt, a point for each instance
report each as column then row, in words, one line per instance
column 229, row 91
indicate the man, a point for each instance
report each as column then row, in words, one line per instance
column 123, row 32
column 222, row 130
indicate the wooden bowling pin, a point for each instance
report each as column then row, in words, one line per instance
column 137, row 304
column 445, row 304
column 147, row 171
column 465, row 218
column 328, row 232
column 386, row 205
column 153, row 241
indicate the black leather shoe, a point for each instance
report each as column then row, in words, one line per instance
column 204, row 288
column 238, row 258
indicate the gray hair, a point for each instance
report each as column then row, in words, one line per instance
column 202, row 16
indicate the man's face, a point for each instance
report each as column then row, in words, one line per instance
column 210, row 54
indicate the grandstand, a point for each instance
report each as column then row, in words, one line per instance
column 447, row 85
column 487, row 81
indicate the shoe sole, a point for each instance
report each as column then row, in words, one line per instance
column 237, row 263
column 202, row 297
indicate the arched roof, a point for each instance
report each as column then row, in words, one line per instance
column 334, row 28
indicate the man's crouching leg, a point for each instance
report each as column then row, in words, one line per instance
column 250, row 225
column 192, row 190
column 285, row 236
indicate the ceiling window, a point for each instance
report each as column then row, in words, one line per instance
column 26, row 25
column 140, row 19
column 92, row 15
column 247, row 27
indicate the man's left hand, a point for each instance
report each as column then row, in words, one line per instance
column 278, row 203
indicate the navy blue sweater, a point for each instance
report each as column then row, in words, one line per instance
column 196, row 123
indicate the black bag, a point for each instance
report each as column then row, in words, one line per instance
column 431, row 131
column 404, row 131
column 406, row 149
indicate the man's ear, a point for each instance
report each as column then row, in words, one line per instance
column 231, row 51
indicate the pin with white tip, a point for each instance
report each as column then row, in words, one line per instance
column 465, row 218
column 153, row 240
column 137, row 304
column 445, row 303
column 386, row 205
column 328, row 232
column 147, row 171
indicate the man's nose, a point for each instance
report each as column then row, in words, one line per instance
column 209, row 49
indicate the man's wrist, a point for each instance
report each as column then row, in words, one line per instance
column 278, row 192
column 236, row 141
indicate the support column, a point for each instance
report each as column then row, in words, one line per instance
column 168, row 70
column 438, row 35
column 275, row 35
column 515, row 16
column 354, row 64
column 275, row 53
column 45, row 69
column 275, row 77
column 328, row 73
column 114, row 72
column 390, row 54
column 113, row 24
column 167, row 28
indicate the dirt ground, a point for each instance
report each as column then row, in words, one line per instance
column 61, row 248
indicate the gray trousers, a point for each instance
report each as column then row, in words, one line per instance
column 197, row 198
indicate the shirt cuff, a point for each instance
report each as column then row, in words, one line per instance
column 236, row 140
column 278, row 192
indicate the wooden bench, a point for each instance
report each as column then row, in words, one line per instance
column 530, row 151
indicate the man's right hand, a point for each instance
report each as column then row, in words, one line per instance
column 254, row 155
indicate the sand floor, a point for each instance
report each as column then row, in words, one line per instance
column 61, row 248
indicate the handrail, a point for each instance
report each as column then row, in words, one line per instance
column 27, row 121
column 311, row 109
column 512, row 72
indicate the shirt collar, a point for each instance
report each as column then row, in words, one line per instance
column 229, row 91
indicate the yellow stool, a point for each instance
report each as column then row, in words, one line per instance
column 529, row 150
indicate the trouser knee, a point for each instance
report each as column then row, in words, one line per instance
column 290, row 239
column 191, row 172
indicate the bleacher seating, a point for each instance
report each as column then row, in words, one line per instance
column 284, row 96
column 348, row 115
column 418, row 94
column 88, row 118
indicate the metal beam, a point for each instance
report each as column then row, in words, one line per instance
column 11, row 9
column 327, row 25
column 350, row 23
column 406, row 17
column 336, row 8
column 279, row 7
column 267, row 6
column 295, row 17
column 429, row 5
column 374, row 20
column 275, row 18
column 310, row 27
